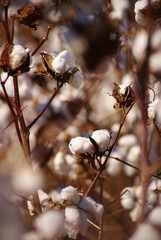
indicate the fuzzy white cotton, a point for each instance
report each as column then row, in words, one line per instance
column 63, row 62
column 81, row 145
column 44, row 200
column 156, row 39
column 123, row 88
column 75, row 222
column 154, row 110
column 127, row 203
column 154, row 216
column 56, row 195
column 155, row 62
column 119, row 7
column 76, row 81
column 145, row 231
column 17, row 56
column 70, row 194
column 132, row 158
column 114, row 166
column 139, row 45
column 127, row 141
column 135, row 212
column 64, row 163
column 33, row 235
column 89, row 205
column 50, row 224
column 139, row 16
column 102, row 138
column 26, row 181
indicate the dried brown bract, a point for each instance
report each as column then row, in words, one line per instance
column 123, row 100
column 28, row 15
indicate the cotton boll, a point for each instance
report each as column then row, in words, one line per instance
column 44, row 200
column 135, row 213
column 63, row 62
column 89, row 205
column 33, row 235
column 60, row 165
column 127, row 203
column 132, row 158
column 139, row 45
column 156, row 39
column 81, row 145
column 26, row 181
column 145, row 231
column 50, row 224
column 155, row 62
column 56, row 195
column 127, row 140
column 17, row 56
column 114, row 166
column 70, row 194
column 76, row 81
column 75, row 222
column 154, row 110
column 139, row 16
column 129, row 192
column 102, row 138
column 154, row 216
column 119, row 8
column 123, row 88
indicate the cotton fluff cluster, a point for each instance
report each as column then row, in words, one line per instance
column 155, row 58
column 64, row 62
column 131, row 200
column 140, row 8
column 151, row 228
column 119, row 7
column 127, row 150
column 71, row 220
column 65, row 165
column 82, row 145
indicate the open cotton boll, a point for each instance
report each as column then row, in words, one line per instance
column 127, row 140
column 118, row 8
column 56, row 195
column 81, row 145
column 154, row 110
column 70, row 194
column 114, row 166
column 139, row 45
column 50, row 224
column 26, row 181
column 135, row 212
column 89, row 205
column 17, row 56
column 33, row 235
column 155, row 62
column 128, row 203
column 145, row 231
column 60, row 165
column 75, row 222
column 154, row 216
column 44, row 200
column 123, row 88
column 102, row 138
column 139, row 16
column 156, row 39
column 63, row 62
column 76, row 81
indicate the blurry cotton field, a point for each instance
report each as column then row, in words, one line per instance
column 80, row 120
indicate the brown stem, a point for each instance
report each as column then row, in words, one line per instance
column 42, row 42
column 101, row 201
column 6, row 24
column 24, row 129
column 45, row 107
column 13, row 113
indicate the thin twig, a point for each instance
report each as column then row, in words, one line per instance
column 13, row 114
column 42, row 42
column 24, row 129
column 56, row 90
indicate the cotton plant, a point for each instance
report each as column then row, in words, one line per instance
column 150, row 228
column 131, row 199
column 64, row 214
